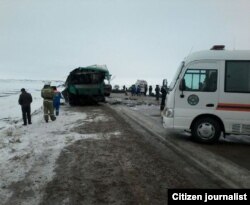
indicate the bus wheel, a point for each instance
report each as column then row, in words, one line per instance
column 71, row 100
column 206, row 130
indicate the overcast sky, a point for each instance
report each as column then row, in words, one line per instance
column 136, row 39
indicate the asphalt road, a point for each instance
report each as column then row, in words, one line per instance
column 227, row 160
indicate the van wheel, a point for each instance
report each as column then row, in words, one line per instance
column 206, row 130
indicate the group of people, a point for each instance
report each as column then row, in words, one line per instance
column 163, row 91
column 51, row 103
column 139, row 90
column 136, row 90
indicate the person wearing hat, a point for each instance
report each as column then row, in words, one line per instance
column 25, row 99
column 47, row 94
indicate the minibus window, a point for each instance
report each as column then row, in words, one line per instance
column 201, row 80
column 237, row 76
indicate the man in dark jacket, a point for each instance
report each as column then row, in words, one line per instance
column 25, row 99
column 157, row 92
column 150, row 90
column 163, row 97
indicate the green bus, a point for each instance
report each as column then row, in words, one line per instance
column 86, row 85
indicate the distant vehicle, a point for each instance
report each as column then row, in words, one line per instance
column 107, row 90
column 116, row 87
column 142, row 84
column 210, row 95
column 86, row 85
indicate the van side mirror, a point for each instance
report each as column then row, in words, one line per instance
column 182, row 85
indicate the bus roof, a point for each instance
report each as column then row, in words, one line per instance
column 218, row 55
column 97, row 68
column 102, row 68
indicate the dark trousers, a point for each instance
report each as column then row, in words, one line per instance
column 163, row 102
column 56, row 107
column 157, row 96
column 26, row 114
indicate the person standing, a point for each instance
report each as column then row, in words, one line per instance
column 163, row 97
column 145, row 89
column 150, row 90
column 133, row 90
column 25, row 99
column 138, row 90
column 157, row 92
column 56, row 100
column 47, row 94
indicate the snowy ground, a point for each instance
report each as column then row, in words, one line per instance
column 21, row 148
column 49, row 162
column 11, row 113
column 28, row 154
column 24, row 149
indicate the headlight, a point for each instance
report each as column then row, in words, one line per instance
column 169, row 113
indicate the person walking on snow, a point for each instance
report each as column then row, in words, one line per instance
column 47, row 94
column 56, row 100
column 25, row 99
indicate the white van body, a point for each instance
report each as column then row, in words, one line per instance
column 142, row 84
column 206, row 112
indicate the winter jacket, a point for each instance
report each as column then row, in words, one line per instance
column 25, row 99
column 57, row 97
column 47, row 93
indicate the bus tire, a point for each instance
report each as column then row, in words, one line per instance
column 71, row 100
column 206, row 130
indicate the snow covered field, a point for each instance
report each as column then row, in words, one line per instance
column 29, row 152
column 11, row 113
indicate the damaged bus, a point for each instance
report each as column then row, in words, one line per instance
column 86, row 85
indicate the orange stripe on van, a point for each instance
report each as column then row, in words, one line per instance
column 233, row 107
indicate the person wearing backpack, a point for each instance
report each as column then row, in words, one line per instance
column 47, row 94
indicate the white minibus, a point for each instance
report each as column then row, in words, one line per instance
column 210, row 95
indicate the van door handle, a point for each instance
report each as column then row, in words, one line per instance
column 210, row 105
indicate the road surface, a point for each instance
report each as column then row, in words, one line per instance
column 133, row 161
